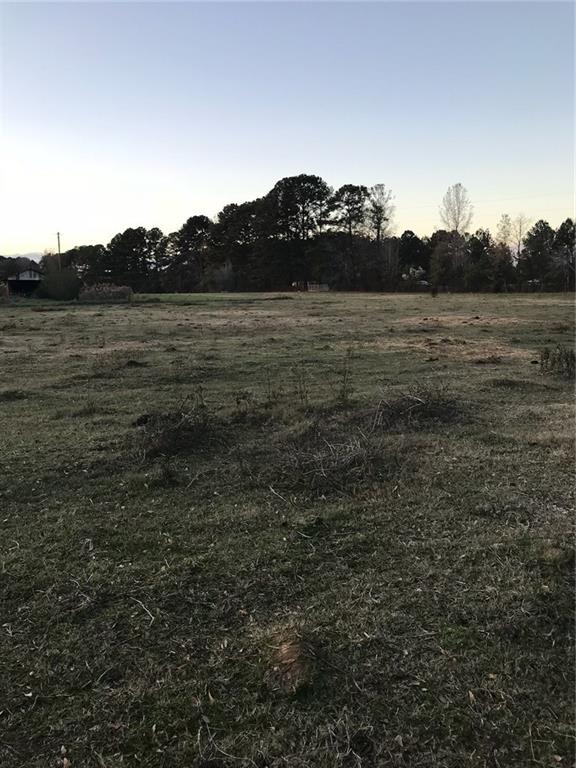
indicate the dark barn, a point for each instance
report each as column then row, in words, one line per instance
column 25, row 282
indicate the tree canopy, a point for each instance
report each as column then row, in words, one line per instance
column 302, row 231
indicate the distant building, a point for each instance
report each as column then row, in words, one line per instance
column 24, row 283
column 302, row 285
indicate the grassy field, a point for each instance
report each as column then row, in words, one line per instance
column 306, row 530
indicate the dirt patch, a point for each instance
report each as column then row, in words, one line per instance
column 256, row 318
column 462, row 349
column 451, row 320
column 113, row 352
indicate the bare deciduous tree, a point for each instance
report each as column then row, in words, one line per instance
column 520, row 226
column 504, row 233
column 380, row 210
column 456, row 210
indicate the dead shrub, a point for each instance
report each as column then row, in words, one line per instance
column 184, row 430
column 416, row 405
column 105, row 293
column 560, row 361
column 326, row 465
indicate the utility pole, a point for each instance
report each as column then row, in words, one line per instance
column 59, row 259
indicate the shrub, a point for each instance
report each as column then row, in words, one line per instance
column 103, row 293
column 63, row 285
column 558, row 362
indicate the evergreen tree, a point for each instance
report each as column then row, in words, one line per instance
column 535, row 264
column 413, row 252
column 564, row 256
column 187, row 254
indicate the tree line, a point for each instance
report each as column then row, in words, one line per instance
column 305, row 232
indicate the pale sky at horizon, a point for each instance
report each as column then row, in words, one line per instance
column 143, row 114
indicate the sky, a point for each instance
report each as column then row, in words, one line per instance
column 117, row 115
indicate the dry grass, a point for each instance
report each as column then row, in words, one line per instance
column 560, row 361
column 292, row 660
column 362, row 562
column 447, row 320
column 454, row 348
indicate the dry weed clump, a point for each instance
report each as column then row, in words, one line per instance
column 292, row 662
column 331, row 465
column 183, row 430
column 560, row 361
column 419, row 404
column 162, row 475
column 505, row 383
column 549, row 557
column 8, row 395
column 88, row 408
column 488, row 360
column 560, row 327
column 112, row 362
